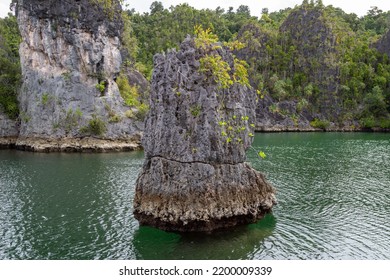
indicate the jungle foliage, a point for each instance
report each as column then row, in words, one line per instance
column 10, row 73
column 328, row 66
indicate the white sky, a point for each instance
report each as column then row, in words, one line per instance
column 359, row 7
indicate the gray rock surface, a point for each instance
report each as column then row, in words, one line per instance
column 8, row 127
column 9, row 131
column 383, row 44
column 195, row 177
column 313, row 38
column 280, row 119
column 68, row 48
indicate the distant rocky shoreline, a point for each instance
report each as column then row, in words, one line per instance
column 69, row 145
column 276, row 129
column 95, row 145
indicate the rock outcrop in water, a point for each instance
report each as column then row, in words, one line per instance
column 194, row 177
column 70, row 57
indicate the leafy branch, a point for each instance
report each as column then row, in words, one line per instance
column 212, row 63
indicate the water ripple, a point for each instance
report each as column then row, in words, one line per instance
column 333, row 193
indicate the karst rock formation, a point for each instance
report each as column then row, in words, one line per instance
column 70, row 58
column 195, row 177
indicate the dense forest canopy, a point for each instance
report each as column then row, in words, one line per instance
column 321, row 59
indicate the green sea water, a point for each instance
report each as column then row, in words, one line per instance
column 333, row 192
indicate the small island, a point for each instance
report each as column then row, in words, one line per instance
column 201, row 122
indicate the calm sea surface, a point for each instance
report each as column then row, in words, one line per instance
column 333, row 191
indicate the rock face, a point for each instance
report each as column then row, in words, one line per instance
column 194, row 177
column 296, row 70
column 9, row 131
column 313, row 36
column 383, row 45
column 278, row 118
column 70, row 57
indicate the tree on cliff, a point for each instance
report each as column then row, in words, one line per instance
column 316, row 61
column 10, row 76
column 325, row 69
column 156, row 7
column 163, row 29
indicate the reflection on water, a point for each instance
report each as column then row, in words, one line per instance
column 73, row 206
column 333, row 193
column 237, row 243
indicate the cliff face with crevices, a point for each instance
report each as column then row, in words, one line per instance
column 194, row 177
column 383, row 44
column 297, row 69
column 70, row 57
column 9, row 131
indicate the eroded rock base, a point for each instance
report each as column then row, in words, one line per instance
column 173, row 196
column 7, row 142
column 198, row 226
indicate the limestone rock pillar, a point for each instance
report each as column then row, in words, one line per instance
column 195, row 177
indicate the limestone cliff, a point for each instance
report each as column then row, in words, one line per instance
column 9, row 131
column 383, row 44
column 70, row 57
column 296, row 68
column 195, row 177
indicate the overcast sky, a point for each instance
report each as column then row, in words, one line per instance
column 359, row 7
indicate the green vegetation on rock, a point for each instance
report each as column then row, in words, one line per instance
column 108, row 6
column 322, row 124
column 10, row 73
column 131, row 97
column 322, row 61
column 212, row 64
column 163, row 29
column 128, row 92
column 96, row 126
column 315, row 60
column 318, row 58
